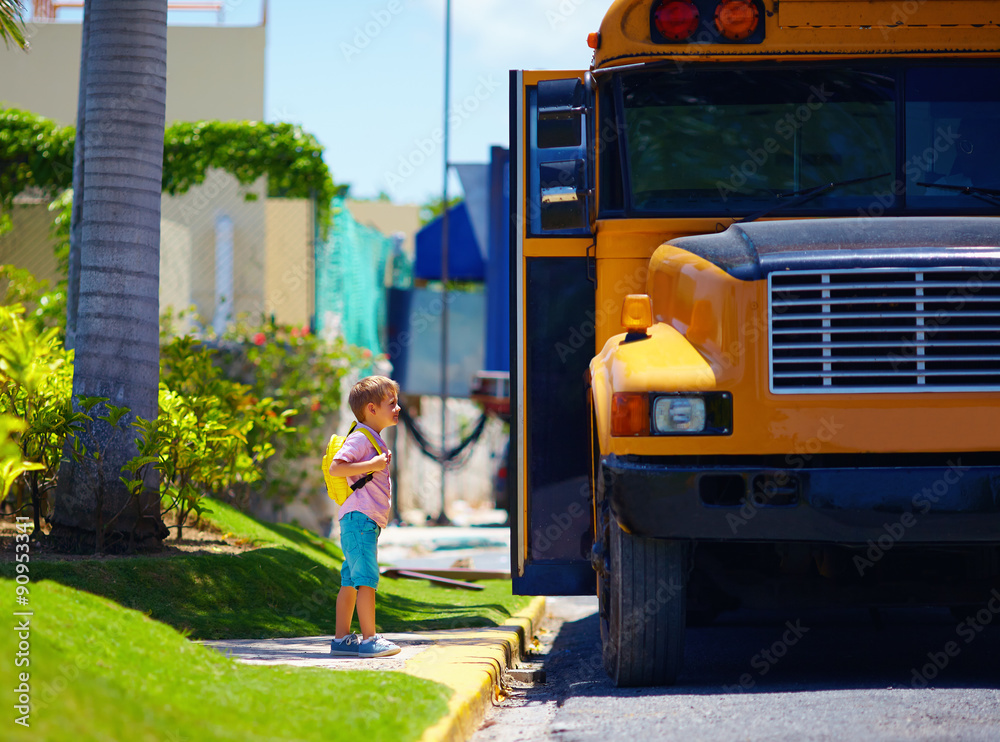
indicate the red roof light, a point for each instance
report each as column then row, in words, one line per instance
column 677, row 20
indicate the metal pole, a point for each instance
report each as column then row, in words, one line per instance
column 442, row 516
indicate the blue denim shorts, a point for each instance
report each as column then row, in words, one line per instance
column 359, row 540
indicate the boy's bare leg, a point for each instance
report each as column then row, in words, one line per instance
column 346, row 599
column 366, row 610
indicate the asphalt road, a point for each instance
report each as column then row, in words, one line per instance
column 917, row 674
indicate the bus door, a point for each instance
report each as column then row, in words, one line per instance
column 552, row 331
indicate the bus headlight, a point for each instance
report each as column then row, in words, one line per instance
column 689, row 413
column 671, row 413
column 679, row 415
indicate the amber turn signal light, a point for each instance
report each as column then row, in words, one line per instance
column 736, row 19
column 629, row 414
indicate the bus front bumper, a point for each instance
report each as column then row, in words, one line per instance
column 951, row 503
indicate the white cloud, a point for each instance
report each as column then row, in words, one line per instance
column 525, row 34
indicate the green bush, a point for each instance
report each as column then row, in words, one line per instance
column 43, row 307
column 211, row 435
column 36, row 379
column 236, row 415
column 11, row 463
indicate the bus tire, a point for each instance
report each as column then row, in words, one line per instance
column 643, row 636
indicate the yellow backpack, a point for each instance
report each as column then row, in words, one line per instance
column 337, row 487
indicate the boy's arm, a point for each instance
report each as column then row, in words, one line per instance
column 359, row 468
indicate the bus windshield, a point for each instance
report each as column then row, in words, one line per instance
column 752, row 140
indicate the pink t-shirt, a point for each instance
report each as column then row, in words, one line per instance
column 373, row 499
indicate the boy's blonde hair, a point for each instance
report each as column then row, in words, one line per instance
column 375, row 389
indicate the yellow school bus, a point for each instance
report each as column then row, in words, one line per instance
column 755, row 260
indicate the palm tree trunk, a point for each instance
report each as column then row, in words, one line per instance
column 117, row 326
column 76, row 217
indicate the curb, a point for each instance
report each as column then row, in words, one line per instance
column 472, row 667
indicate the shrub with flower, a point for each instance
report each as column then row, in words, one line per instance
column 302, row 370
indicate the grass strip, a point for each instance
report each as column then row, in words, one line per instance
column 99, row 671
column 287, row 587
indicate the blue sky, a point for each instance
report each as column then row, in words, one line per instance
column 366, row 77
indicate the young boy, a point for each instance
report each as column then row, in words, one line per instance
column 363, row 516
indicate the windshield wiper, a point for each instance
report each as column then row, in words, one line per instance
column 807, row 194
column 988, row 195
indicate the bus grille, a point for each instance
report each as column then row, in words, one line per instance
column 885, row 330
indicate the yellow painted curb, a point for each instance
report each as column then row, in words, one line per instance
column 471, row 662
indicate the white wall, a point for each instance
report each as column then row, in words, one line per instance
column 214, row 72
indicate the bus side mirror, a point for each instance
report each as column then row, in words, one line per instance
column 560, row 151
column 561, row 105
column 565, row 199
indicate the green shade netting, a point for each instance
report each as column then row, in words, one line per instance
column 350, row 281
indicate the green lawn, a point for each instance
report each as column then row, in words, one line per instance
column 101, row 672
column 286, row 588
column 110, row 659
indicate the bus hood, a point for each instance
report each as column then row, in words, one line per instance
column 751, row 251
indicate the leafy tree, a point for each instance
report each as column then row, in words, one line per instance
column 12, row 22
column 117, row 300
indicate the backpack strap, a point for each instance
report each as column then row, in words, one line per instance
column 370, row 475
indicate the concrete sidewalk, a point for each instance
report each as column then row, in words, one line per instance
column 470, row 661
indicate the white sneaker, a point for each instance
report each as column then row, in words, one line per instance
column 377, row 646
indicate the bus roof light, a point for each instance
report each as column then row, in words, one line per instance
column 677, row 20
column 736, row 19
column 637, row 313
